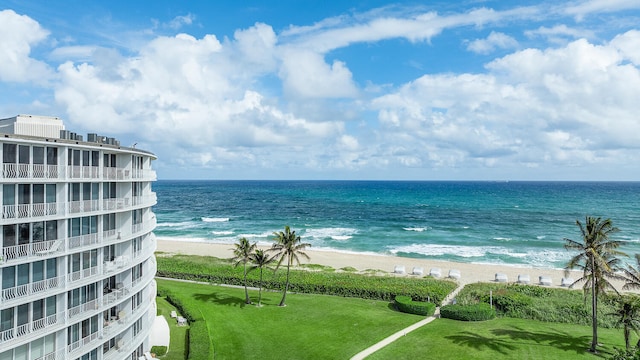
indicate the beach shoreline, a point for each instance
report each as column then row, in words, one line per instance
column 469, row 272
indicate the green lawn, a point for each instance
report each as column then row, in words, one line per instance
column 309, row 327
column 177, row 342
column 503, row 338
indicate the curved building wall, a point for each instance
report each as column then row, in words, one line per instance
column 77, row 252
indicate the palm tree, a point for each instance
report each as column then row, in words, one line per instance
column 260, row 260
column 242, row 254
column 632, row 276
column 288, row 246
column 628, row 314
column 597, row 258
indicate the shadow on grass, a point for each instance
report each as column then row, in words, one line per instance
column 506, row 340
column 220, row 299
column 554, row 338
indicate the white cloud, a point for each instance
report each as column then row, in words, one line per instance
column 18, row 34
column 179, row 21
column 495, row 40
column 559, row 33
column 580, row 9
column 572, row 105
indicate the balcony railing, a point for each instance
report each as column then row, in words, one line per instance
column 127, row 342
column 120, row 262
column 83, row 206
column 31, row 171
column 30, row 330
column 83, row 172
column 43, row 171
column 85, row 341
column 26, row 251
column 115, row 203
column 83, row 240
column 89, row 306
column 144, row 199
column 32, row 210
column 20, row 292
column 54, row 355
column 82, row 274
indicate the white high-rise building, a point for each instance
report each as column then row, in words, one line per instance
column 76, row 260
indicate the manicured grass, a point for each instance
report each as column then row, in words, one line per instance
column 309, row 327
column 178, row 340
column 503, row 338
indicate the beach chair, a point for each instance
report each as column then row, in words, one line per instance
column 174, row 314
column 182, row 321
column 567, row 282
column 501, row 277
column 524, row 279
column 398, row 269
column 545, row 280
column 52, row 249
column 417, row 270
column 435, row 272
column 148, row 356
column 454, row 274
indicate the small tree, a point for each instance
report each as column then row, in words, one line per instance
column 288, row 246
column 260, row 260
column 242, row 254
column 628, row 317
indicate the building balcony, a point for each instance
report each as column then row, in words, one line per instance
column 84, row 274
column 117, row 324
column 82, row 309
column 39, row 172
column 83, row 172
column 83, row 206
column 32, row 330
column 23, row 211
column 32, row 171
column 87, row 343
column 127, row 342
column 21, row 253
column 60, row 354
column 23, row 293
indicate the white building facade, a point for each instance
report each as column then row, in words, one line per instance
column 77, row 258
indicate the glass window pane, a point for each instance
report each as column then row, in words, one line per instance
column 24, row 193
column 38, row 193
column 38, row 155
column 37, row 270
column 51, row 305
column 8, row 194
column 52, row 156
column 23, row 274
column 51, row 193
column 9, row 235
column 76, row 157
column 52, row 268
column 52, row 230
column 8, row 277
column 38, row 231
column 23, row 154
column 85, row 158
column 9, row 153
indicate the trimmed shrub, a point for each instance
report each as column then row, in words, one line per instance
column 199, row 342
column 159, row 350
column 406, row 305
column 476, row 312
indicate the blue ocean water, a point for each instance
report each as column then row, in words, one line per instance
column 513, row 223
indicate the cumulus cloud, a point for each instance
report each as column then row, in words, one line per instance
column 18, row 34
column 567, row 105
column 495, row 40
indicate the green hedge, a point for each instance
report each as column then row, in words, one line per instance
column 199, row 343
column 406, row 305
column 476, row 312
column 159, row 350
column 219, row 271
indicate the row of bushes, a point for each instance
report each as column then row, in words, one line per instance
column 406, row 305
column 540, row 303
column 199, row 343
column 217, row 271
column 475, row 312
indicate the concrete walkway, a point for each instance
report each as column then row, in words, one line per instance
column 386, row 341
column 160, row 334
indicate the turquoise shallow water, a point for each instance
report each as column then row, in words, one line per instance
column 517, row 223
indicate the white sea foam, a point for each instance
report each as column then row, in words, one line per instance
column 417, row 229
column 182, row 224
column 340, row 234
column 225, row 232
column 214, row 219
column 502, row 239
column 540, row 237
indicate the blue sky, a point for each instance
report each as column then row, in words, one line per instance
column 442, row 90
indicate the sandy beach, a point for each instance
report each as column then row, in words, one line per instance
column 469, row 273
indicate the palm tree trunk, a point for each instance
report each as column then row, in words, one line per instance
column 246, row 292
column 286, row 285
column 627, row 333
column 594, row 307
column 260, row 290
